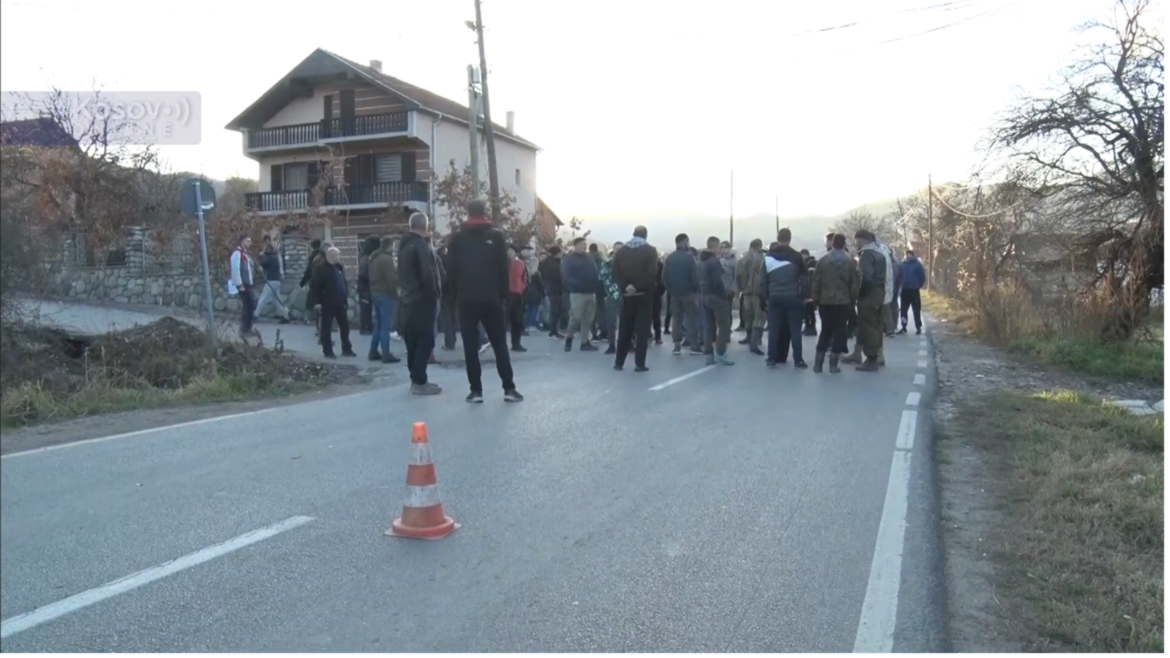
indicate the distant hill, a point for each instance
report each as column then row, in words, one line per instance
column 808, row 231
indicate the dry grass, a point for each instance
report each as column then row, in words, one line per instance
column 1080, row 552
column 1063, row 333
column 46, row 375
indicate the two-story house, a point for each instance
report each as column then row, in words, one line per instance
column 366, row 146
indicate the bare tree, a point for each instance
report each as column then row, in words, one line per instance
column 96, row 186
column 455, row 190
column 1094, row 145
column 860, row 219
column 235, row 190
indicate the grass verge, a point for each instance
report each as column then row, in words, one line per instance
column 35, row 402
column 1069, row 346
column 1081, row 542
column 47, row 374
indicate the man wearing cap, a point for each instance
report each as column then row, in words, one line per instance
column 479, row 279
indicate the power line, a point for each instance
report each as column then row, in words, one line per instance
column 951, row 24
column 939, row 7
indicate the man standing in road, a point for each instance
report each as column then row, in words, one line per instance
column 581, row 280
column 611, row 307
column 517, row 284
column 383, row 298
column 421, row 286
column 635, row 267
column 331, row 293
column 550, row 274
column 785, row 287
column 479, row 279
column 870, row 299
column 749, row 272
column 913, row 278
column 681, row 276
column 834, row 289
column 716, row 305
column 810, row 307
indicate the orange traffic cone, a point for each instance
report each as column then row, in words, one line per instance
column 422, row 513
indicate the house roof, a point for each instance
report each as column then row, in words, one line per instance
column 323, row 62
column 35, row 132
column 542, row 207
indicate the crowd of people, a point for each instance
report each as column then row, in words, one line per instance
column 494, row 294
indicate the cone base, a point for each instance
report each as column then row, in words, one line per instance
column 397, row 529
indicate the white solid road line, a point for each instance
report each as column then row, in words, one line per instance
column 683, row 378
column 87, row 598
column 913, row 398
column 920, row 379
column 879, row 611
column 127, row 435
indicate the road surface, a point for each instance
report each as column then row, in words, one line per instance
column 736, row 509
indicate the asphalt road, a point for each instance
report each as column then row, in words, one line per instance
column 736, row 510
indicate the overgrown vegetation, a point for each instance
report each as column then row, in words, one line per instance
column 46, row 375
column 1081, row 542
column 1066, row 336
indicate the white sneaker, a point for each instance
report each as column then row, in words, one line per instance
column 394, row 335
column 483, row 348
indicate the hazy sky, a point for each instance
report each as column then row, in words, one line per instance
column 640, row 105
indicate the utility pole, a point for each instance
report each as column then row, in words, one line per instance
column 493, row 176
column 731, row 219
column 777, row 214
column 473, row 129
column 929, row 232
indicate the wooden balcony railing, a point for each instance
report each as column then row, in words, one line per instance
column 346, row 195
column 336, row 128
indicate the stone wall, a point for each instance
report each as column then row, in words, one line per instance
column 150, row 280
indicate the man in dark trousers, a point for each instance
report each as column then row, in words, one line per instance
column 870, row 298
column 834, row 289
column 365, row 301
column 913, row 278
column 810, row 307
column 331, row 292
column 479, row 277
column 420, row 284
column 635, row 268
column 554, row 287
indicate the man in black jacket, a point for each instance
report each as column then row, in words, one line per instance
column 365, row 302
column 554, row 287
column 810, row 308
column 479, row 279
column 420, row 286
column 331, row 293
column 784, row 287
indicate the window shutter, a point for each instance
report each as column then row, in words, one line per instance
column 277, row 180
column 388, row 168
column 409, row 167
column 314, row 174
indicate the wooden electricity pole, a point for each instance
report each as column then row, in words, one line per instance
column 489, row 133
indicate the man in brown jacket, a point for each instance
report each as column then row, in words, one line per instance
column 635, row 269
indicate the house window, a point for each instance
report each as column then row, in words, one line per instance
column 388, row 168
column 295, row 176
column 517, row 178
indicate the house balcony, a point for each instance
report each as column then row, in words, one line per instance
column 329, row 131
column 370, row 196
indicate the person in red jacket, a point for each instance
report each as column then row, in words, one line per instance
column 517, row 285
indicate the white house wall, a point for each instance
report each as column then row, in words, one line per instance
column 451, row 142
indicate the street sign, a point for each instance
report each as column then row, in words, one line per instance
column 197, row 198
column 190, row 198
